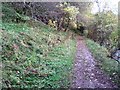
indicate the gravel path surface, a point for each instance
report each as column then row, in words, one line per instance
column 85, row 72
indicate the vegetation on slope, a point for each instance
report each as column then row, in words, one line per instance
column 36, row 58
column 36, row 55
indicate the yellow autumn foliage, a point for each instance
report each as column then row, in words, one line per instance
column 73, row 25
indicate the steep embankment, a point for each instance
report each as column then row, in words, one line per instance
column 35, row 56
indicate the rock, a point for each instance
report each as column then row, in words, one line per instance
column 116, row 55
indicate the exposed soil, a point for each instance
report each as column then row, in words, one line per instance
column 86, row 74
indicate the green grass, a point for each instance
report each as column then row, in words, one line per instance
column 109, row 65
column 13, row 27
column 36, row 58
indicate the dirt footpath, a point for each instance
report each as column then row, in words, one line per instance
column 85, row 72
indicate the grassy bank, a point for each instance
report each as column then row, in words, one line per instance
column 35, row 56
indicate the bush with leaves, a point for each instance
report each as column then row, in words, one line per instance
column 105, row 27
column 69, row 20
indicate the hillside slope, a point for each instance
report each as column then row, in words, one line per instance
column 36, row 56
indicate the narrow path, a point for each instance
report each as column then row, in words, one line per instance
column 85, row 72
